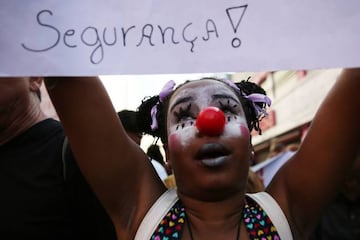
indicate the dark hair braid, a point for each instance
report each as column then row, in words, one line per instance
column 248, row 88
column 144, row 119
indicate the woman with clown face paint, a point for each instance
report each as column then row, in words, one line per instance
column 205, row 127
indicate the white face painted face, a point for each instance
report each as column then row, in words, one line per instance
column 186, row 104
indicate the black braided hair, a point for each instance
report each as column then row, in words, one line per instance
column 144, row 115
column 144, row 110
column 248, row 88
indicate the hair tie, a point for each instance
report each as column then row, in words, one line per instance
column 164, row 93
column 259, row 98
column 154, row 123
column 254, row 98
column 166, row 90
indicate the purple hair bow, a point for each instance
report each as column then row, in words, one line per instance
column 254, row 98
column 232, row 85
column 164, row 93
column 259, row 98
column 166, row 90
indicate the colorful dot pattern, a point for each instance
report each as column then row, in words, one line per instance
column 170, row 228
column 258, row 224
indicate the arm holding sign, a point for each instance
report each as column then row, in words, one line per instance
column 307, row 183
column 114, row 165
column 211, row 167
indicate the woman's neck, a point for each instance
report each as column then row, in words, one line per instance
column 214, row 218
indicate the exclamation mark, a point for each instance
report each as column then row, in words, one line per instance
column 235, row 15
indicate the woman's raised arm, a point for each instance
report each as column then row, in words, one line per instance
column 116, row 168
column 308, row 182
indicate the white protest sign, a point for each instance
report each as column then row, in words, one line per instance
column 88, row 37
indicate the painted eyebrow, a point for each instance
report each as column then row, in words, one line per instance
column 225, row 96
column 181, row 100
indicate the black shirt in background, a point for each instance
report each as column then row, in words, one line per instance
column 35, row 200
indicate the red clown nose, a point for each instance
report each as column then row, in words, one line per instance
column 211, row 121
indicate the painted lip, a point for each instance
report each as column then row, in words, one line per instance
column 212, row 154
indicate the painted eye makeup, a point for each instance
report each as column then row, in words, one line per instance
column 184, row 117
column 230, row 109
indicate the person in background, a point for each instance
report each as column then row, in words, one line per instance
column 206, row 126
column 43, row 193
column 157, row 160
column 276, row 149
column 255, row 183
column 293, row 147
column 278, row 156
column 129, row 120
column 342, row 218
